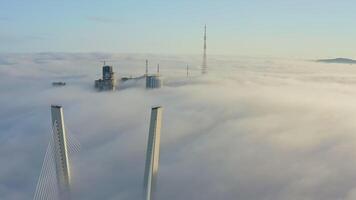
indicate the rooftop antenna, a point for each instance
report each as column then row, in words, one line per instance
column 157, row 69
column 146, row 67
column 187, row 70
column 204, row 65
column 104, row 62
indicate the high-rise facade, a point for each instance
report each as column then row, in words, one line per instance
column 153, row 80
column 108, row 81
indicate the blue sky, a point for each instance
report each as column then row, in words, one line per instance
column 280, row 28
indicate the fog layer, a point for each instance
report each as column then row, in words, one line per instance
column 252, row 129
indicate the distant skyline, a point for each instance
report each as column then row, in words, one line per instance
column 279, row 28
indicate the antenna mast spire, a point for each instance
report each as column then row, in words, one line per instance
column 204, row 65
column 187, row 70
column 146, row 68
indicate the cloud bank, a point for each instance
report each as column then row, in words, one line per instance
column 253, row 129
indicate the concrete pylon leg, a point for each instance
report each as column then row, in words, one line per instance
column 152, row 154
column 61, row 152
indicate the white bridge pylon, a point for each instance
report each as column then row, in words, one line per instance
column 61, row 152
column 55, row 177
column 152, row 154
column 54, row 182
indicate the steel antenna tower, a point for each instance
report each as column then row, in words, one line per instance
column 187, row 70
column 152, row 154
column 204, row 65
column 146, row 73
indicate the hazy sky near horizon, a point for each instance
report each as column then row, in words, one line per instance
column 282, row 28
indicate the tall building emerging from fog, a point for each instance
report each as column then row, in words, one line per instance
column 108, row 81
column 204, row 69
column 153, row 80
column 62, row 165
column 152, row 154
